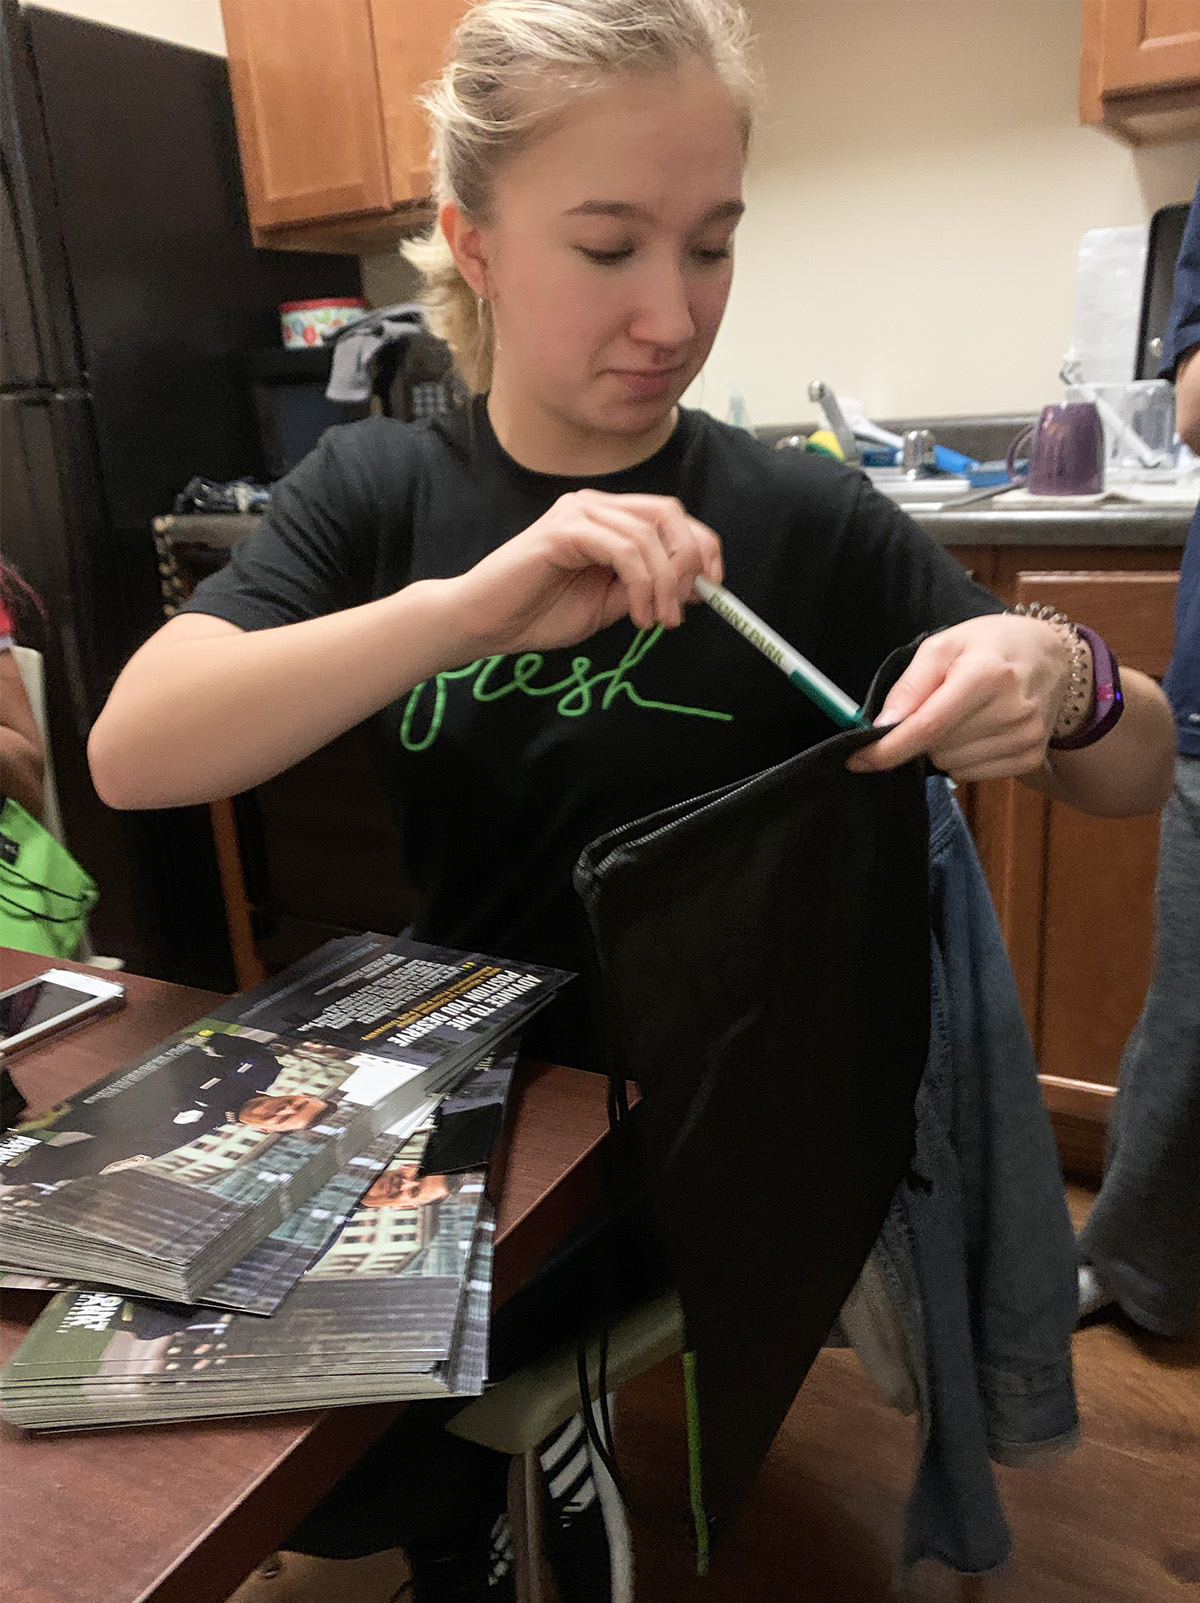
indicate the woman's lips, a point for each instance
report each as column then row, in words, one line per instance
column 646, row 382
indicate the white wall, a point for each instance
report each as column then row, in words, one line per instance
column 917, row 193
column 181, row 22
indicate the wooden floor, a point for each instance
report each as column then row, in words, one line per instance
column 1118, row 1521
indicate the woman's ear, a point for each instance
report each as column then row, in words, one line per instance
column 465, row 240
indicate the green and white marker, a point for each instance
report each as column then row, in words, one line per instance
column 803, row 674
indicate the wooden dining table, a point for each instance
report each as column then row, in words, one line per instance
column 181, row 1513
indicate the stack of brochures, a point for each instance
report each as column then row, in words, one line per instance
column 393, row 1306
column 301, row 1173
column 163, row 1176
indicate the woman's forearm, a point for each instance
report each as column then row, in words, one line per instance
column 205, row 709
column 1128, row 772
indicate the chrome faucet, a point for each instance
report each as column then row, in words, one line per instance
column 918, row 454
column 820, row 392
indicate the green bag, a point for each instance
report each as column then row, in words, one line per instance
column 45, row 897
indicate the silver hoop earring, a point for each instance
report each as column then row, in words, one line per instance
column 480, row 303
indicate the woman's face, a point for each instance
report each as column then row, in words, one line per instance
column 608, row 263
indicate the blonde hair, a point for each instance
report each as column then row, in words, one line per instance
column 491, row 101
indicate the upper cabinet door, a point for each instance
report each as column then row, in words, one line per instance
column 1140, row 68
column 411, row 40
column 306, row 100
column 1149, row 44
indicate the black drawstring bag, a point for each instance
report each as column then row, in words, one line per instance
column 763, row 968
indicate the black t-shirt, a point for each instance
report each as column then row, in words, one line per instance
column 504, row 769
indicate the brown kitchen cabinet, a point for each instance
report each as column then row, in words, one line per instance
column 334, row 146
column 1140, row 68
column 1075, row 895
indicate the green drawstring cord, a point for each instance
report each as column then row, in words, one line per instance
column 695, row 1482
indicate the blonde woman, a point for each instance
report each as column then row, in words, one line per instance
column 489, row 588
column 503, row 592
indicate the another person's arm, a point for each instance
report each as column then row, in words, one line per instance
column 21, row 759
column 1187, row 398
column 1181, row 337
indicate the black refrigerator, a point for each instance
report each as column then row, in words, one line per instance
column 131, row 296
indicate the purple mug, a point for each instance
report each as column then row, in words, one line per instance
column 1066, row 451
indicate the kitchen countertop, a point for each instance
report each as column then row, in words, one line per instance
column 983, row 524
column 1114, row 524
column 986, row 523
column 992, row 523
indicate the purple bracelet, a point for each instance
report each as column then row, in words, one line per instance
column 1107, row 703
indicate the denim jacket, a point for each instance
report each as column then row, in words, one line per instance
column 975, row 1268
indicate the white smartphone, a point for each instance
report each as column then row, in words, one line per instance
column 55, row 1000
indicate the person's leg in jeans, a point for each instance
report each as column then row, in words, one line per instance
column 1142, row 1240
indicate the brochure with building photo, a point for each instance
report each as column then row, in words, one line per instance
column 395, row 1307
column 467, row 1120
column 166, row 1174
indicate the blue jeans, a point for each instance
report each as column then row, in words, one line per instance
column 1143, row 1236
column 977, row 1256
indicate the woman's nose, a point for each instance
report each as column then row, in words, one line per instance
column 664, row 313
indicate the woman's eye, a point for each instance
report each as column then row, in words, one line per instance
column 606, row 258
column 721, row 255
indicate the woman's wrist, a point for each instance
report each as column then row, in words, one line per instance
column 1073, row 698
column 1078, row 699
column 432, row 611
column 1090, row 701
column 1107, row 703
column 1130, row 771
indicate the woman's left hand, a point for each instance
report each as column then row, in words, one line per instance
column 980, row 699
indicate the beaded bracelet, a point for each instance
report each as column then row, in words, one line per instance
column 1108, row 701
column 1077, row 698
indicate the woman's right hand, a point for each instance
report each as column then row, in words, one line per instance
column 592, row 558
column 205, row 709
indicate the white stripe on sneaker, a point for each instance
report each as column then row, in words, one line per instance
column 575, row 1471
column 567, row 1437
column 583, row 1498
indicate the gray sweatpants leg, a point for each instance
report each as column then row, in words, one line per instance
column 1143, row 1235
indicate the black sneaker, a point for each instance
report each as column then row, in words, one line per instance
column 584, row 1530
column 439, row 1498
column 478, row 1572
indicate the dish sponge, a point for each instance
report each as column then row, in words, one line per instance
column 824, row 443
